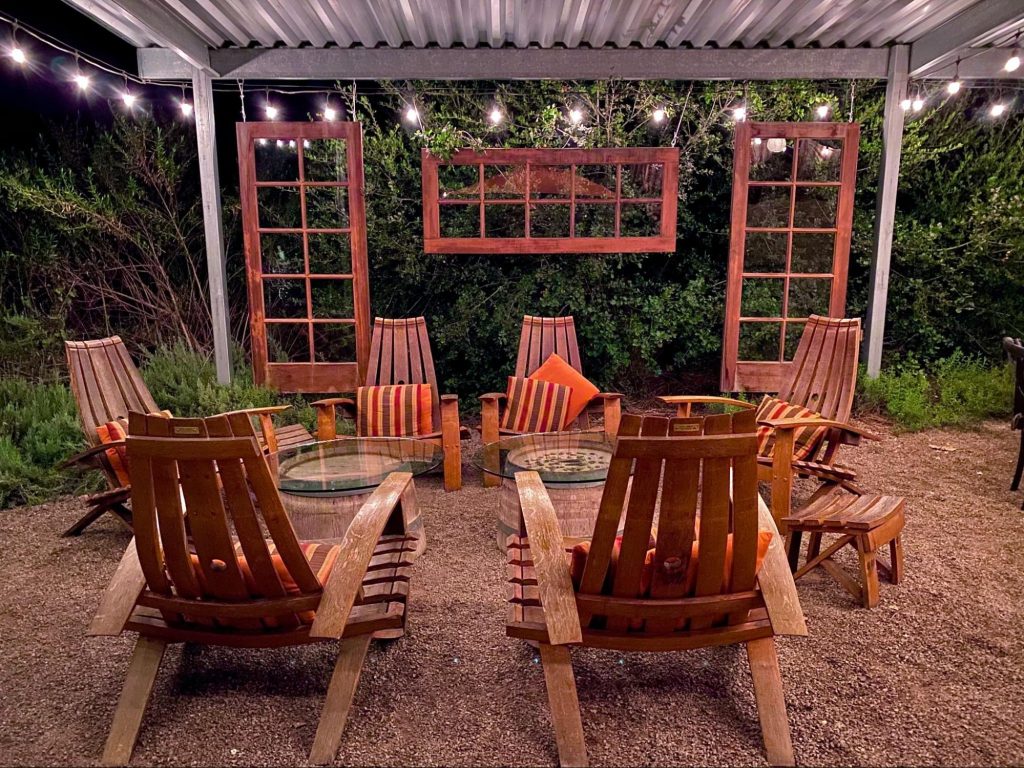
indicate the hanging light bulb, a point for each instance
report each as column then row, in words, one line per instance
column 658, row 115
column 412, row 114
column 305, row 143
column 822, row 111
column 495, row 116
column 997, row 110
column 271, row 112
column 575, row 115
column 261, row 141
column 280, row 143
column 826, row 152
column 953, row 87
column 739, row 114
column 756, row 141
column 83, row 81
column 917, row 104
column 776, row 145
column 186, row 108
column 128, row 98
column 1013, row 63
column 291, row 143
column 906, row 104
column 18, row 55
column 330, row 113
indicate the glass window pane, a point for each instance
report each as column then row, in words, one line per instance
column 551, row 182
column 458, row 181
column 768, row 206
column 595, row 182
column 326, row 207
column 793, row 333
column 332, row 299
column 765, row 252
column 595, row 220
column 325, row 160
column 504, row 182
column 819, row 160
column 276, row 160
column 329, row 254
column 279, row 207
column 550, row 220
column 640, row 220
column 460, row 220
column 762, row 297
column 771, row 159
column 812, row 252
column 816, row 206
column 505, row 220
column 282, row 253
column 334, row 342
column 288, row 342
column 284, row 298
column 642, row 180
column 759, row 341
column 809, row 296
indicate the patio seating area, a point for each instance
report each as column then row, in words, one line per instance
column 932, row 673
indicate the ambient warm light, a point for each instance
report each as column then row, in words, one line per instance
column 575, row 116
column 330, row 113
column 658, row 115
column 83, row 82
column 18, row 55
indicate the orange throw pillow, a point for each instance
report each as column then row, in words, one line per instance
column 111, row 432
column 557, row 371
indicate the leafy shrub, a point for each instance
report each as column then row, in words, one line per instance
column 960, row 392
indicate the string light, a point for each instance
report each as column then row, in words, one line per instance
column 739, row 114
column 575, row 115
column 18, row 55
column 906, row 104
column 756, row 141
column 128, row 98
column 658, row 115
column 997, row 110
column 917, row 104
column 495, row 115
column 1013, row 63
column 330, row 113
column 822, row 111
column 954, row 86
column 270, row 111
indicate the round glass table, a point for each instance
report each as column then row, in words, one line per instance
column 573, row 467
column 324, row 484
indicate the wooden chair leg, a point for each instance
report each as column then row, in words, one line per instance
column 771, row 704
column 134, row 697
column 896, row 560
column 1020, row 465
column 340, row 692
column 868, row 572
column 565, row 706
column 813, row 545
column 451, row 442
column 489, row 433
column 85, row 521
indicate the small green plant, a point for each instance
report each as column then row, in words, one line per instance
column 957, row 391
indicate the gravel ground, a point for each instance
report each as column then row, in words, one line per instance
column 934, row 676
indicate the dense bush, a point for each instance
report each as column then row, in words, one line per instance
column 957, row 391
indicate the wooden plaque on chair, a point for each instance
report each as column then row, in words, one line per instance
column 551, row 200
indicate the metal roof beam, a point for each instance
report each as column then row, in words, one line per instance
column 526, row 64
column 159, row 23
column 977, row 64
column 975, row 26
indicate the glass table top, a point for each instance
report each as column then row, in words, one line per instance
column 352, row 464
column 559, row 457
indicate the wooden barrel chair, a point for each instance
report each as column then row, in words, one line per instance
column 215, row 561
column 683, row 575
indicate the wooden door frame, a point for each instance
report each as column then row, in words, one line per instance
column 312, row 376
column 767, row 376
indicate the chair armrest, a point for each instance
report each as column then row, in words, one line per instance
column 326, row 415
column 334, row 401
column 842, row 426
column 346, row 579
column 557, row 597
column 118, row 601
column 89, row 456
column 608, row 396
column 493, row 396
column 704, row 400
column 267, row 410
column 775, row 580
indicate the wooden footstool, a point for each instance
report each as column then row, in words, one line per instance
column 866, row 523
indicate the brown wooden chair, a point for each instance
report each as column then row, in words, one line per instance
column 823, row 378
column 539, row 338
column 107, row 385
column 1015, row 349
column 400, row 354
column 203, row 495
column 650, row 606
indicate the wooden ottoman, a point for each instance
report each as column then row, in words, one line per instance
column 866, row 523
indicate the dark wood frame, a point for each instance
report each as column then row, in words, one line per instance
column 766, row 376
column 311, row 376
column 433, row 242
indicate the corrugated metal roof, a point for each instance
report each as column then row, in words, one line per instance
column 544, row 23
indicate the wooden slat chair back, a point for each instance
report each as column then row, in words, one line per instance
column 543, row 336
column 823, row 374
column 187, row 541
column 205, row 497
column 400, row 354
column 680, row 482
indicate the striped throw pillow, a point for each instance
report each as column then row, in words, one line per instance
column 535, row 406
column 395, row 410
column 117, row 456
column 806, row 440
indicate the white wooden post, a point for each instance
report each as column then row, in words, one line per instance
column 885, row 208
column 209, row 178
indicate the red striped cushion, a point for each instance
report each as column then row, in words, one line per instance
column 535, row 406
column 396, row 410
column 111, row 432
column 806, row 440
